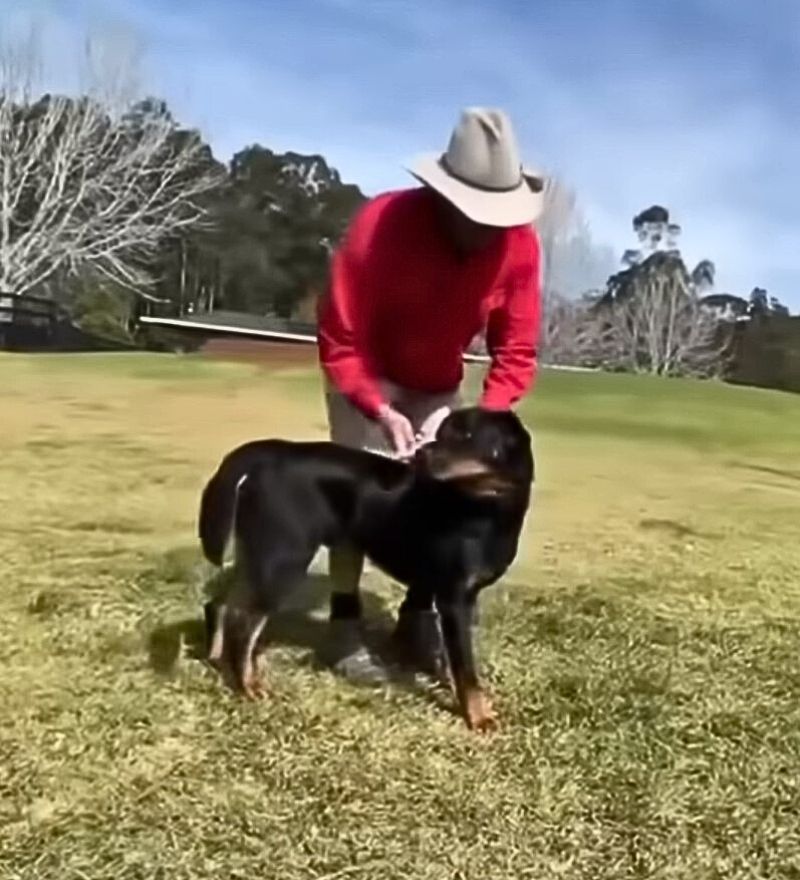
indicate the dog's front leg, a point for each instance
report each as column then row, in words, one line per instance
column 455, row 610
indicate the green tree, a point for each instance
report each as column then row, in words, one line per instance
column 274, row 223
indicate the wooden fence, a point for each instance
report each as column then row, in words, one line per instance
column 27, row 321
column 34, row 323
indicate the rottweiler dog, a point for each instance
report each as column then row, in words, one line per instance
column 446, row 524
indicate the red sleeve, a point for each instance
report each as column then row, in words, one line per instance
column 341, row 319
column 512, row 332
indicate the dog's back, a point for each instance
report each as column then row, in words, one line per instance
column 318, row 481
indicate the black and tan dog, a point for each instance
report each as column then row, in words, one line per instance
column 446, row 525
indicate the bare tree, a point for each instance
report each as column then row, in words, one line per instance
column 554, row 225
column 572, row 331
column 559, row 337
column 653, row 317
column 96, row 181
column 659, row 326
column 556, row 222
column 572, row 264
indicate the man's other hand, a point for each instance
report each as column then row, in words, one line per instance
column 398, row 430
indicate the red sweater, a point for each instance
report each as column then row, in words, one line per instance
column 402, row 305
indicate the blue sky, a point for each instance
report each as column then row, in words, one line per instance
column 694, row 104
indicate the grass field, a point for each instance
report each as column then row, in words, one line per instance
column 644, row 651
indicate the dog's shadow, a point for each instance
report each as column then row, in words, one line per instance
column 302, row 624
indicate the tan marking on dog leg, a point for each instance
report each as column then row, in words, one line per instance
column 252, row 685
column 217, row 646
column 478, row 711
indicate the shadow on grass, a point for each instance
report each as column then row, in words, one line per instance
column 294, row 626
column 782, row 473
column 672, row 528
column 302, row 623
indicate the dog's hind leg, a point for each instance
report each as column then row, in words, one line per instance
column 272, row 556
column 266, row 576
column 242, row 626
column 214, row 614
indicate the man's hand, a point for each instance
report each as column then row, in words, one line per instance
column 397, row 429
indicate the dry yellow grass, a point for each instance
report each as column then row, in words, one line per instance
column 644, row 650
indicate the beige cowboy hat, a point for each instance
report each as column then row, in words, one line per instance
column 481, row 172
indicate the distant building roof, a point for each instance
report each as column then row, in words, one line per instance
column 248, row 321
column 259, row 326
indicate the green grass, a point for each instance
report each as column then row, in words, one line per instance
column 644, row 651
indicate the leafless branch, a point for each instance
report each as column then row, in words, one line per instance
column 554, row 225
column 572, row 265
column 662, row 327
column 84, row 185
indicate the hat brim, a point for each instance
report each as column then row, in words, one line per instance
column 518, row 207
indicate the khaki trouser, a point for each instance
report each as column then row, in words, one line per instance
column 350, row 427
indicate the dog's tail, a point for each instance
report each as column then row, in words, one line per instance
column 218, row 501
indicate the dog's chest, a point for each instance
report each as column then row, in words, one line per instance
column 477, row 553
column 487, row 567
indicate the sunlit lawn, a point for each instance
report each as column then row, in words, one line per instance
column 644, row 652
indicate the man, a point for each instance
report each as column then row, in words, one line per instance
column 419, row 274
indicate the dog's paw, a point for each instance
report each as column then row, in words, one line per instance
column 254, row 689
column 479, row 712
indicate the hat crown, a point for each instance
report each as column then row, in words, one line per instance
column 483, row 151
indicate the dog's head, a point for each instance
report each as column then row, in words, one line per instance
column 487, row 454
